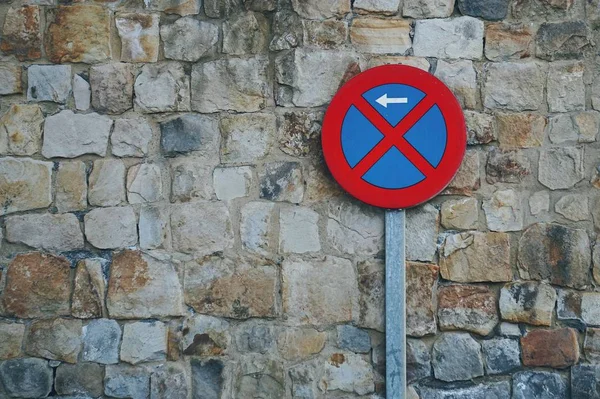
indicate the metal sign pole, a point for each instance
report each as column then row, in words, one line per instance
column 395, row 305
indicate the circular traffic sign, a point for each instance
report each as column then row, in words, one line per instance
column 394, row 136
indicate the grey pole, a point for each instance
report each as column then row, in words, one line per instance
column 395, row 305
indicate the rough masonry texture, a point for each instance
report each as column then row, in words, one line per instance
column 168, row 228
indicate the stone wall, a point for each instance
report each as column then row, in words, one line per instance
column 169, row 229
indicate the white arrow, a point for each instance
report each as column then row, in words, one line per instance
column 385, row 100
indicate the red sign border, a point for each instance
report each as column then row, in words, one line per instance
column 394, row 198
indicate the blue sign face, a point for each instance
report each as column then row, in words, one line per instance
column 393, row 102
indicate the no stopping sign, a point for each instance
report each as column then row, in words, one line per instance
column 394, row 136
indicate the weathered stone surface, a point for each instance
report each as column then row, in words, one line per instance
column 37, row 285
column 89, row 289
column 125, row 381
column 154, row 227
column 353, row 339
column 427, row 9
column 303, row 381
column 475, row 257
column 190, row 133
column 493, row 10
column 380, row 36
column 207, row 378
column 300, row 86
column 418, row 360
column 424, row 221
column 568, row 305
column 469, row 308
column 113, row 227
column 499, row 389
column 591, row 345
column 573, row 207
column 590, row 303
column 461, row 214
column 179, row 7
column 550, row 348
column 144, row 342
column 328, row 34
column 354, row 229
column 79, row 33
column 584, row 381
column 247, row 138
column 539, row 202
column 502, row 355
column 169, row 381
column 82, row 93
column 348, row 373
column 304, row 293
column 101, row 339
column 70, row 135
column 467, row 178
column 236, row 288
column 257, row 338
column 514, row 86
column 21, row 130
column 587, row 125
column 372, row 296
column 131, row 137
column 456, row 357
column 11, row 339
column 21, row 34
column 566, row 90
column 57, row 339
column 246, row 34
column 421, row 280
column 460, row 37
column 191, row 178
column 231, row 183
column 556, row 253
column 509, row 330
column 162, row 87
column 461, row 78
column 527, row 302
column 386, row 7
column 142, row 287
column 107, row 183
column 287, row 31
column 417, row 62
column 10, row 79
column 201, row 227
column 300, row 343
column 144, row 183
column 139, row 36
column 504, row 211
column 321, row 9
column 562, row 129
column 299, row 232
column 507, row 166
column 79, row 379
column 531, row 384
column 49, row 83
column 282, row 181
column 256, row 227
column 206, row 336
column 520, row 130
column 188, row 39
column 45, row 231
column 26, row 378
column 561, row 40
column 561, row 168
column 260, row 377
column 112, row 87
column 505, row 42
column 299, row 133
column 232, row 84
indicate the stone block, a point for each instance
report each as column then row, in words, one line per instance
column 246, row 34
column 348, row 372
column 139, row 36
column 162, row 87
column 460, row 214
column 69, row 135
column 507, row 166
column 573, row 207
column 424, row 222
column 112, row 87
column 505, row 41
column 282, row 181
column 215, row 336
column 79, row 379
column 107, row 183
column 144, row 183
column 421, row 279
column 55, row 339
column 10, row 79
column 515, row 86
column 502, row 355
column 522, row 130
column 321, row 9
column 386, row 7
column 493, row 10
column 111, row 228
column 460, row 37
column 131, row 137
column 179, row 7
column 21, row 33
column 154, row 227
column 101, row 339
column 256, row 227
column 188, row 39
column 527, row 302
column 26, row 378
column 82, row 93
column 550, row 348
column 191, row 178
column 419, row 9
column 45, row 231
column 231, row 183
column 125, row 381
column 191, row 133
column 89, row 289
column 461, row 78
column 504, row 211
column 141, row 286
column 247, row 138
column 469, row 308
column 566, row 90
column 11, row 335
column 562, row 40
column 21, row 130
column 328, row 34
column 529, row 384
column 207, row 378
column 79, row 33
column 144, row 341
column 354, row 229
column 380, row 36
column 300, row 343
column 49, row 83
column 456, row 357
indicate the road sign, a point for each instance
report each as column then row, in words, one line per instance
column 394, row 136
